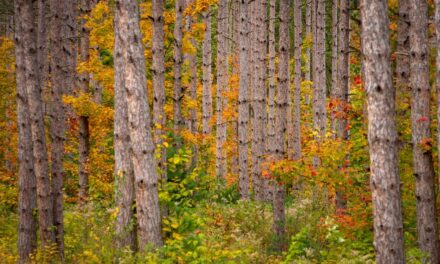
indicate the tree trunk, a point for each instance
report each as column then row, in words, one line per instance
column 334, row 87
column 341, row 93
column 382, row 134
column 402, row 58
column 308, row 20
column 124, row 174
column 294, row 152
column 222, row 68
column 437, row 80
column 159, row 118
column 282, row 106
column 243, row 102
column 270, row 142
column 319, row 74
column 27, row 225
column 178, row 60
column 63, row 46
column 129, row 42
column 206, row 79
column 30, row 70
column 84, row 81
column 421, row 133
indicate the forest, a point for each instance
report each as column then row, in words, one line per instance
column 219, row 131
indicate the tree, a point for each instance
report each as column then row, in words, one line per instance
column 382, row 134
column 402, row 54
column 63, row 52
column 341, row 89
column 159, row 118
column 259, row 115
column 282, row 103
column 27, row 224
column 270, row 141
column 84, row 82
column 319, row 74
column 421, row 133
column 222, row 80
column 178, row 60
column 142, row 148
column 294, row 151
column 124, row 174
column 437, row 77
column 206, row 77
column 243, row 103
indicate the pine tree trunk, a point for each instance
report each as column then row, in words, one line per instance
column 178, row 60
column 402, row 58
column 341, row 93
column 437, row 76
column 206, row 79
column 382, row 134
column 319, row 74
column 294, row 152
column 159, row 118
column 63, row 46
column 421, row 133
column 243, row 102
column 270, row 142
column 308, row 20
column 27, row 224
column 334, row 87
column 282, row 106
column 139, row 125
column 222, row 65
column 30, row 69
column 124, row 174
column 83, row 82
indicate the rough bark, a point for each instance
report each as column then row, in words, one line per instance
column 222, row 68
column 159, row 118
column 243, row 103
column 308, row 25
column 270, row 142
column 294, row 151
column 402, row 54
column 342, row 88
column 319, row 74
column 124, row 174
column 334, row 84
column 63, row 45
column 129, row 41
column 27, row 224
column 83, row 82
column 382, row 134
column 206, row 78
column 421, row 133
column 437, row 76
column 282, row 106
column 177, row 70
column 30, row 69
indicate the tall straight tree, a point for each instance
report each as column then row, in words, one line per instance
column 259, row 116
column 243, row 102
column 335, row 27
column 382, row 134
column 421, row 132
column 159, row 117
column 84, row 82
column 206, row 76
column 308, row 34
column 135, row 84
column 178, row 60
column 124, row 174
column 35, row 103
column 319, row 74
column 270, row 144
column 222, row 81
column 27, row 224
column 437, row 76
column 63, row 47
column 282, row 106
column 294, row 151
column 341, row 90
column 402, row 54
